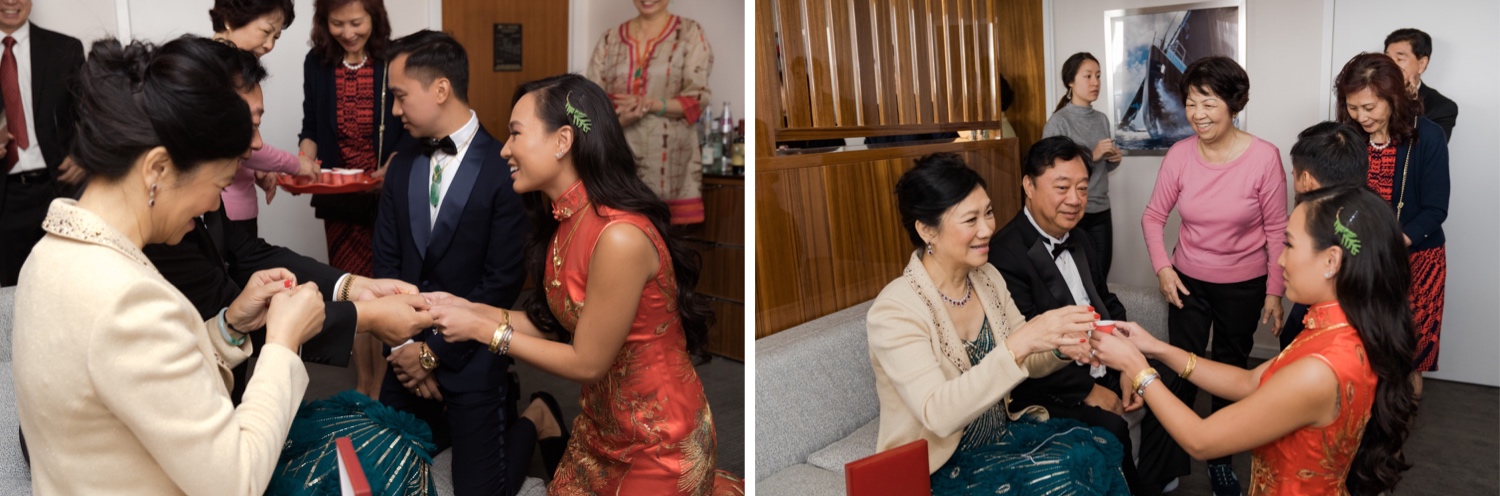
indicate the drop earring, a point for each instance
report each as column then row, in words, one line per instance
column 152, row 201
column 929, row 248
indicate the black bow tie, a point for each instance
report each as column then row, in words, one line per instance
column 430, row 146
column 1067, row 244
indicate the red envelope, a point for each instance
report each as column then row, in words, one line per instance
column 901, row 471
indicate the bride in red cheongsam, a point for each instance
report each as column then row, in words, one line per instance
column 614, row 284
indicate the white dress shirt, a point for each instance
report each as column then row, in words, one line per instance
column 461, row 140
column 1064, row 264
column 30, row 158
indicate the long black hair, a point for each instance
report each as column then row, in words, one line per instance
column 1372, row 289
column 136, row 97
column 607, row 168
column 1070, row 71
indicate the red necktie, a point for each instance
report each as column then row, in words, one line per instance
column 15, row 113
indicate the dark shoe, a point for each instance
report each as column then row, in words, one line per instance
column 552, row 448
column 1224, row 481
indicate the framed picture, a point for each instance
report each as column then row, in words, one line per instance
column 1148, row 50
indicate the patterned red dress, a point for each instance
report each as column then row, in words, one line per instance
column 1429, row 267
column 1315, row 460
column 646, row 427
column 350, row 245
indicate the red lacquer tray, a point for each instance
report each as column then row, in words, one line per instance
column 330, row 182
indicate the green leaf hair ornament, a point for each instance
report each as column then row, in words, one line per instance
column 1347, row 237
column 580, row 119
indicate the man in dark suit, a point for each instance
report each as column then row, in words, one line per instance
column 38, row 76
column 1048, row 263
column 212, row 264
column 450, row 220
column 1412, row 50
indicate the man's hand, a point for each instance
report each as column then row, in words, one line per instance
column 394, row 319
column 365, row 289
column 407, row 363
column 1105, row 399
column 69, row 172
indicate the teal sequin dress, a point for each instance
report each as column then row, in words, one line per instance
column 394, row 448
column 1029, row 457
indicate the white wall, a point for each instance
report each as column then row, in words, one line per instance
column 86, row 20
column 723, row 20
column 1284, row 91
column 1289, row 55
column 1465, row 44
column 288, row 221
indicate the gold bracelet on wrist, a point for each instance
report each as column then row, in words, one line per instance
column 344, row 291
column 1192, row 364
column 1141, row 376
column 495, row 340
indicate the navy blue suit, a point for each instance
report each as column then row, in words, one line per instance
column 474, row 251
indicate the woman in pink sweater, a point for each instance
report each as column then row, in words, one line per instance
column 254, row 26
column 1230, row 190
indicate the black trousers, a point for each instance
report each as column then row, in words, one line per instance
column 1231, row 311
column 1101, row 229
column 1293, row 325
column 28, row 195
column 489, row 457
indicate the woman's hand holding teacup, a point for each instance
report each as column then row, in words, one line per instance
column 1056, row 329
column 1127, row 348
column 248, row 311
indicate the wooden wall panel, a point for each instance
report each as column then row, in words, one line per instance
column 720, row 243
column 865, row 50
column 820, row 62
column 769, row 87
column 846, row 76
column 544, row 51
column 794, row 64
column 922, row 49
column 1019, row 33
column 828, row 235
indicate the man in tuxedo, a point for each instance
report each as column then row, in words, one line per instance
column 212, row 264
column 449, row 220
column 1048, row 263
column 1326, row 155
column 1412, row 50
column 38, row 78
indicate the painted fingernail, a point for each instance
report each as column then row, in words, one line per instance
column 287, row 283
column 1084, row 340
column 1091, row 309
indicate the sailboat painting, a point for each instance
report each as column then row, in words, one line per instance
column 1148, row 50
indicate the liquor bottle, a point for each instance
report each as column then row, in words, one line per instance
column 726, row 139
column 706, row 139
column 737, row 158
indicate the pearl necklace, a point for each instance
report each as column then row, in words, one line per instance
column 355, row 67
column 1379, row 146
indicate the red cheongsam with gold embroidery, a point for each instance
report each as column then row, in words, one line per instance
column 1315, row 460
column 645, row 427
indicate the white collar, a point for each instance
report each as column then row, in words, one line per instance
column 22, row 34
column 464, row 136
column 1051, row 241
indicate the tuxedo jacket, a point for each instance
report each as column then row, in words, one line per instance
column 1439, row 109
column 1036, row 285
column 56, row 59
column 474, row 250
column 212, row 264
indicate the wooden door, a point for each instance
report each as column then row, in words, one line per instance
column 544, row 42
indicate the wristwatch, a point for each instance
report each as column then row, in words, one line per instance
column 429, row 361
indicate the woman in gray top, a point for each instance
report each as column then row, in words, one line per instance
column 1076, row 118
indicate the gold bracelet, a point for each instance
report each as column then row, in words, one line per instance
column 1192, row 363
column 495, row 340
column 504, row 317
column 1141, row 376
column 344, row 291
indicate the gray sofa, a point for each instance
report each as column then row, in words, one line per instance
column 815, row 401
column 15, row 477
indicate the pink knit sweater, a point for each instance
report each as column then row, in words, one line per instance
column 1234, row 215
column 239, row 197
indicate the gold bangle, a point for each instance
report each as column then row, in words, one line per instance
column 344, row 291
column 1192, row 363
column 504, row 317
column 495, row 340
column 1141, row 376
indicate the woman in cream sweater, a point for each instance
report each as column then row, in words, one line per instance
column 948, row 345
column 121, row 386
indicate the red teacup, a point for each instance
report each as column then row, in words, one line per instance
column 1105, row 326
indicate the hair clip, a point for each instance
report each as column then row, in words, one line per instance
column 580, row 119
column 1347, row 237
